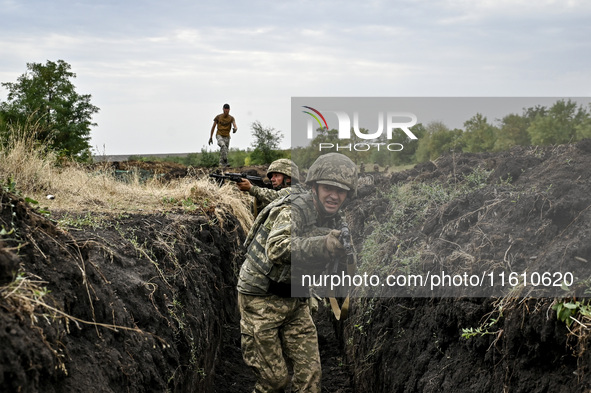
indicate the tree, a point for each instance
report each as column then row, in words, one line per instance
column 584, row 128
column 265, row 145
column 479, row 135
column 513, row 131
column 408, row 154
column 437, row 140
column 559, row 125
column 45, row 96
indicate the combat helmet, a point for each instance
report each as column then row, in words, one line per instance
column 286, row 167
column 334, row 169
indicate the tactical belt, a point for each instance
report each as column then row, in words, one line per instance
column 279, row 289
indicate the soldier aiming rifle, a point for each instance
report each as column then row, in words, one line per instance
column 284, row 176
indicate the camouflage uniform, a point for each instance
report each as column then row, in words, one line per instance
column 275, row 326
column 264, row 196
column 224, row 144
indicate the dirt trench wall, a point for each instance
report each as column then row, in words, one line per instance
column 135, row 304
column 535, row 209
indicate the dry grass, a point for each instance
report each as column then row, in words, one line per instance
column 25, row 161
column 227, row 197
column 29, row 170
column 36, row 173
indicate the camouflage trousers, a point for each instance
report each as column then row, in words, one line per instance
column 275, row 331
column 224, row 144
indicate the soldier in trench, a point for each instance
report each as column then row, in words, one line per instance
column 284, row 175
column 274, row 325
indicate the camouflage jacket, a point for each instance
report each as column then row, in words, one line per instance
column 264, row 196
column 288, row 230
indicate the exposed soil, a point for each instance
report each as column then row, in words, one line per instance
column 147, row 302
column 535, row 210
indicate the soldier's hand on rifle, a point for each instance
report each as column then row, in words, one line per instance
column 244, row 185
column 210, row 141
column 333, row 245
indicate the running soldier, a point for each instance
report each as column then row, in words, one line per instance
column 224, row 123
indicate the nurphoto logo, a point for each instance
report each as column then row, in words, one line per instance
column 393, row 120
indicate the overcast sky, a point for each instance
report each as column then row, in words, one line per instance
column 161, row 70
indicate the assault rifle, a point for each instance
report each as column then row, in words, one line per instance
column 236, row 177
column 345, row 239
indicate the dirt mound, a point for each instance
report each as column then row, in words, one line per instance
column 136, row 304
column 532, row 210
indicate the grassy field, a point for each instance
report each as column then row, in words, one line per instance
column 29, row 170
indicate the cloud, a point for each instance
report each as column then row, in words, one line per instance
column 161, row 70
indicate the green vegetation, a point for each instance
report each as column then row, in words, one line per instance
column 569, row 311
column 408, row 206
column 484, row 328
column 80, row 221
column 46, row 98
column 265, row 144
column 208, row 159
column 563, row 122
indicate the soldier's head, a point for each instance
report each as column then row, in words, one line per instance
column 226, row 108
column 333, row 179
column 283, row 173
